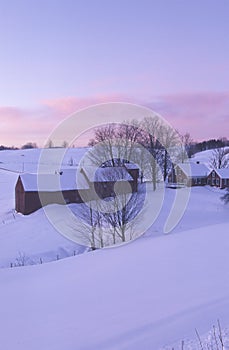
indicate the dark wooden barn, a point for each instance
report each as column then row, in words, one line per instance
column 34, row 191
column 133, row 170
column 189, row 174
column 108, row 181
column 219, row 178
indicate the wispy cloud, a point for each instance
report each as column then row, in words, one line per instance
column 67, row 105
column 204, row 115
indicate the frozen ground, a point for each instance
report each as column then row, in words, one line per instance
column 144, row 295
column 149, row 294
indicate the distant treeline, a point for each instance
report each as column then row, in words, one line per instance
column 28, row 145
column 195, row 147
column 5, row 148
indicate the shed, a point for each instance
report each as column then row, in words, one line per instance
column 33, row 191
column 219, row 178
column 189, row 174
column 133, row 170
column 108, row 180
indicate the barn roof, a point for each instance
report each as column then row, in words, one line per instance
column 107, row 174
column 53, row 182
column 131, row 166
column 223, row 173
column 192, row 169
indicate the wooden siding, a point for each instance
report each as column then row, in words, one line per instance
column 26, row 202
column 178, row 176
column 135, row 175
column 215, row 180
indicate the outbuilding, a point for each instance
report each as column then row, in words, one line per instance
column 106, row 181
column 189, row 174
column 219, row 178
column 33, row 191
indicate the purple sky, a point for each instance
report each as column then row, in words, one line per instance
column 57, row 56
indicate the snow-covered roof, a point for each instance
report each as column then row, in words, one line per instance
column 106, row 174
column 194, row 169
column 54, row 182
column 223, row 173
column 131, row 166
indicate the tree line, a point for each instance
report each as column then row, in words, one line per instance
column 151, row 143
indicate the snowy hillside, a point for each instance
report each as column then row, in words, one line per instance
column 29, row 239
column 143, row 295
column 27, row 160
column 205, row 156
column 149, row 294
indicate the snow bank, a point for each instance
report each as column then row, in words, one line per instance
column 143, row 295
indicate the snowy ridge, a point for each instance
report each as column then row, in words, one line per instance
column 149, row 294
column 143, row 295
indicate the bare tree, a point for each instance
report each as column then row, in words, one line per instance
column 89, row 224
column 64, row 144
column 152, row 127
column 110, row 221
column 184, row 151
column 161, row 141
column 49, row 144
column 114, row 144
column 104, row 145
column 121, row 221
column 128, row 135
column 169, row 139
column 220, row 158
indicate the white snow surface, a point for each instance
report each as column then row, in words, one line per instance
column 149, row 294
column 223, row 173
column 107, row 174
column 143, row 295
column 69, row 179
column 206, row 156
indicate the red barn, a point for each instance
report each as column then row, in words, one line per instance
column 189, row 174
column 108, row 180
column 219, row 178
column 34, row 191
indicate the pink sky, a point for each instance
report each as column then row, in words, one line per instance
column 58, row 56
column 203, row 115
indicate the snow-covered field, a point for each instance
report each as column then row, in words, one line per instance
column 149, row 294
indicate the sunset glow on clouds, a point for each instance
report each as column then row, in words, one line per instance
column 60, row 56
column 202, row 115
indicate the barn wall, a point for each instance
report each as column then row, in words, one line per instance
column 107, row 189
column 135, row 175
column 32, row 202
column 225, row 183
column 19, row 197
column 181, row 177
column 172, row 176
column 213, row 179
column 29, row 202
column 199, row 181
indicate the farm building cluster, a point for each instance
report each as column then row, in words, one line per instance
column 198, row 174
column 34, row 191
